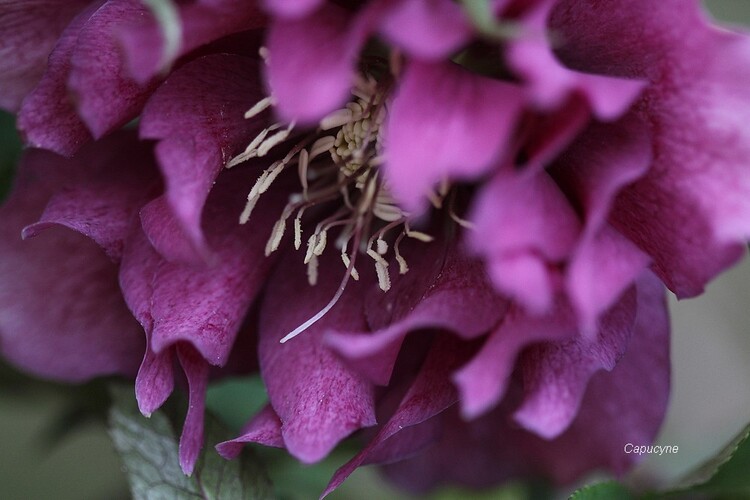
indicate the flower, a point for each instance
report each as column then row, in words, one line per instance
column 482, row 197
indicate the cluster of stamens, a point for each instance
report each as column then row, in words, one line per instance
column 337, row 162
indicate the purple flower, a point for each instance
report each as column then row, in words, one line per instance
column 489, row 208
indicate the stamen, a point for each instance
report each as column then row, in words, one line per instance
column 259, row 107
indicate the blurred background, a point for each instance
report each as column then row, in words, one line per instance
column 48, row 451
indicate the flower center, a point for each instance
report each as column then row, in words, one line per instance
column 337, row 166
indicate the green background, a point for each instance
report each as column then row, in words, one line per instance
column 710, row 400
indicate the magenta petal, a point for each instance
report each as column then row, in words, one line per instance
column 447, row 292
column 626, row 405
column 698, row 189
column 454, row 131
column 191, row 440
column 203, row 305
column 605, row 159
column 311, row 66
column 555, row 374
column 194, row 146
column 430, row 393
column 81, row 328
column 155, row 380
column 427, row 29
column 291, row 8
column 318, row 399
column 29, row 31
column 483, row 381
column 105, row 187
column 105, row 97
column 264, row 428
column 47, row 118
column 201, row 22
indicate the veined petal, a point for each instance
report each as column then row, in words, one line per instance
column 29, row 30
column 318, row 399
column 82, row 328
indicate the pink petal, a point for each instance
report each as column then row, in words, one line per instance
column 523, row 223
column 691, row 212
column 430, row 394
column 264, row 428
column 29, row 31
column 483, row 381
column 457, row 130
column 201, row 22
column 442, row 290
column 317, row 398
column 194, row 146
column 191, row 440
column 81, row 328
column 427, row 29
column 47, row 118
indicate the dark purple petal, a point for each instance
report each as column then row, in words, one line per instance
column 626, row 405
column 105, row 97
column 78, row 327
column 155, row 380
column 203, row 305
column 484, row 379
column 102, row 192
column 691, row 211
column 317, row 398
column 442, row 290
column 457, row 130
column 555, row 374
column 28, row 32
column 264, row 428
column 47, row 118
column 191, row 440
column 550, row 83
column 430, row 393
column 194, row 146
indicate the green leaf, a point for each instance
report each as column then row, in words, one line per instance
column 149, row 450
column 10, row 150
column 726, row 474
column 610, row 490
